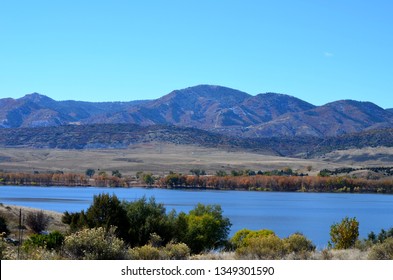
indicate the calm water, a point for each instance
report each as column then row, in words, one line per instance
column 285, row 213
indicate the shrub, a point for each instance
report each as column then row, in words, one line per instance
column 177, row 251
column 269, row 247
column 241, row 238
column 2, row 249
column 298, row 246
column 3, row 226
column 37, row 221
column 298, row 243
column 146, row 252
column 383, row 251
column 95, row 244
column 344, row 234
column 53, row 240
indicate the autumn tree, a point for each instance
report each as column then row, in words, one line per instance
column 343, row 235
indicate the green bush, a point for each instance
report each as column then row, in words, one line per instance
column 241, row 238
column 52, row 241
column 269, row 247
column 298, row 246
column 345, row 234
column 95, row 244
column 298, row 243
column 382, row 251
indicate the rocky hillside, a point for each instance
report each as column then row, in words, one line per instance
column 212, row 108
column 120, row 136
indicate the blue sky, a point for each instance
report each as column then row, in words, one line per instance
column 319, row 51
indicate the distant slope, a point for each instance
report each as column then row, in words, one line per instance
column 36, row 110
column 211, row 108
column 121, row 136
column 333, row 119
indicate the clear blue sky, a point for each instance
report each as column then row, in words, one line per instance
column 319, row 51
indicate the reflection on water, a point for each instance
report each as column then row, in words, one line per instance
column 284, row 213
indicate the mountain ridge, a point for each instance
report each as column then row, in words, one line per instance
column 207, row 107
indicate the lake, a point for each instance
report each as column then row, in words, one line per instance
column 284, row 213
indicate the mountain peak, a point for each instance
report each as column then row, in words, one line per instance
column 36, row 98
column 213, row 91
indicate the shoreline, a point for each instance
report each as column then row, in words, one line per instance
column 201, row 189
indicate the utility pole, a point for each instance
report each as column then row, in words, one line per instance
column 20, row 232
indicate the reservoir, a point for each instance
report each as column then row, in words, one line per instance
column 285, row 213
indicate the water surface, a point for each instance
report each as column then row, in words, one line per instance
column 284, row 213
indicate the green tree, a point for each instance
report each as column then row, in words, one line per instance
column 175, row 180
column 146, row 217
column 345, row 234
column 116, row 173
column 206, row 228
column 90, row 172
column 148, row 179
column 221, row 173
column 77, row 221
column 107, row 211
column 198, row 172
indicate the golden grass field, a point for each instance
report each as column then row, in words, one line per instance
column 157, row 158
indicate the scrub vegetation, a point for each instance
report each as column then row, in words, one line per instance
column 144, row 230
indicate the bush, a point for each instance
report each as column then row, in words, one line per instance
column 298, row 243
column 146, row 252
column 2, row 249
column 95, row 244
column 52, row 241
column 269, row 247
column 345, row 234
column 298, row 246
column 177, row 251
column 172, row 251
column 3, row 226
column 383, row 251
column 241, row 238
column 37, row 221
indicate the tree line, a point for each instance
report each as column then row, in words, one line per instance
column 267, row 181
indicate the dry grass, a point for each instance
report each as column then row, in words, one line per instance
column 378, row 156
column 11, row 214
column 157, row 158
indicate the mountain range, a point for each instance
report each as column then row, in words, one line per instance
column 211, row 108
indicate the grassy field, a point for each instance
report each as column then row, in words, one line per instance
column 157, row 158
